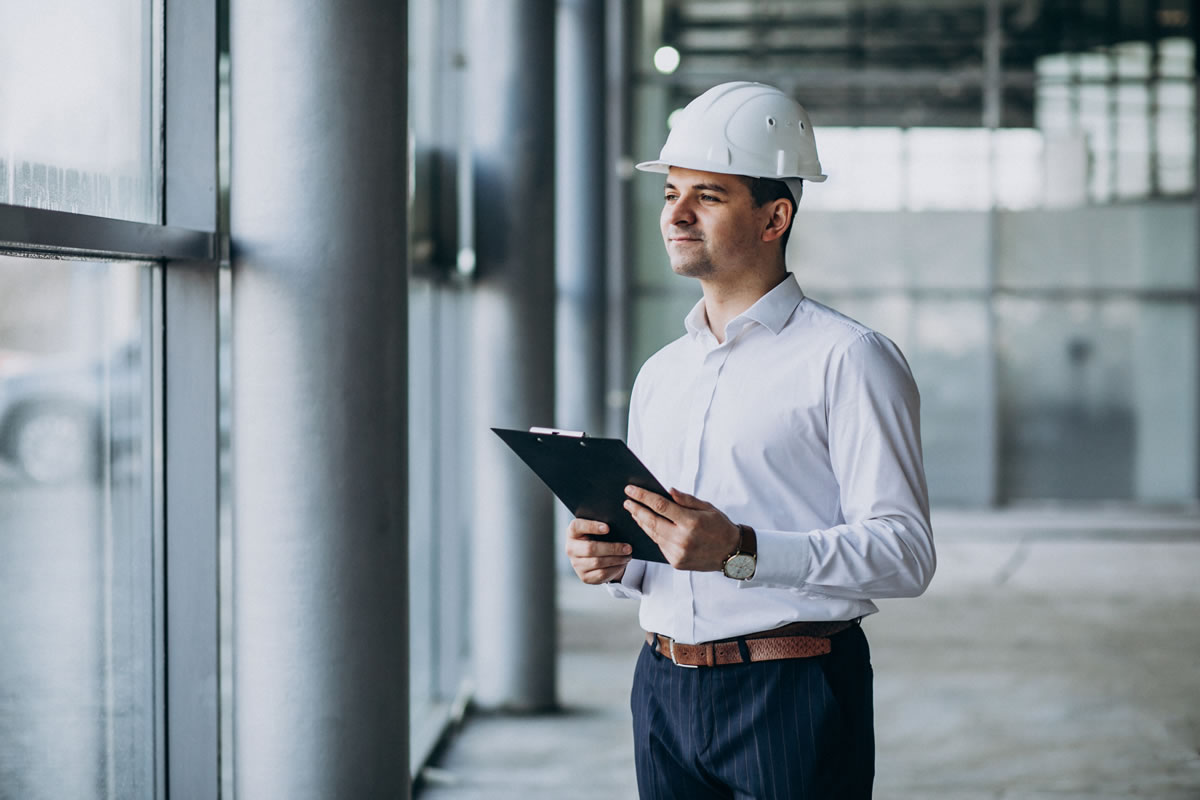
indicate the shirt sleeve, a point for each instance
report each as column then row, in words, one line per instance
column 885, row 546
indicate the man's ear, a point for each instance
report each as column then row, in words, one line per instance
column 778, row 222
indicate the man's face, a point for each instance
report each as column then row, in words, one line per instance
column 709, row 223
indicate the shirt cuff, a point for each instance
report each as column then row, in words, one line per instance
column 783, row 559
column 630, row 585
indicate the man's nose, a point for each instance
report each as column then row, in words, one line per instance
column 683, row 212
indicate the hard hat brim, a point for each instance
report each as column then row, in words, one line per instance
column 663, row 167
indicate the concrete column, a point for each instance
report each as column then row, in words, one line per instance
column 618, row 172
column 580, row 208
column 580, row 231
column 1195, row 6
column 318, row 205
column 511, row 65
column 993, row 107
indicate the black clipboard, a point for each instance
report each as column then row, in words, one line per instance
column 589, row 476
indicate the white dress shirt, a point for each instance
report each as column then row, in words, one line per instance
column 804, row 425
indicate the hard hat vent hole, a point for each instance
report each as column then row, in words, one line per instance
column 801, row 126
column 770, row 122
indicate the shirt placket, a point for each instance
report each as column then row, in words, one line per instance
column 704, row 388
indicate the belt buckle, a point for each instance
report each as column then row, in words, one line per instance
column 675, row 662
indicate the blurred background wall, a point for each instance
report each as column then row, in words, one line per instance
column 1010, row 199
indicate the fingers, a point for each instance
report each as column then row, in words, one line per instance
column 651, row 500
column 595, row 561
column 579, row 545
column 580, row 528
column 691, row 501
column 646, row 519
column 693, row 534
column 598, row 576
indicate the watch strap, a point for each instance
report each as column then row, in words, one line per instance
column 749, row 541
column 747, row 549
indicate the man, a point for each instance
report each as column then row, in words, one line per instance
column 799, row 428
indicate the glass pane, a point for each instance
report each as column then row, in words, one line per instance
column 1175, row 138
column 79, row 89
column 1097, row 399
column 948, row 169
column 1131, row 143
column 76, row 554
column 865, row 168
column 439, row 526
column 422, row 518
column 1019, row 156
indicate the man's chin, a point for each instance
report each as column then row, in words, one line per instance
column 691, row 269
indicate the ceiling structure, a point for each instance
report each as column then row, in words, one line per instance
column 898, row 62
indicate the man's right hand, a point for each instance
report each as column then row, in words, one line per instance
column 595, row 561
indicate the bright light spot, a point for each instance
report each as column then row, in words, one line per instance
column 666, row 59
column 674, row 115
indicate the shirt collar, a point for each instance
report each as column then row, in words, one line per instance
column 772, row 310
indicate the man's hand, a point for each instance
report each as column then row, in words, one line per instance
column 595, row 561
column 691, row 533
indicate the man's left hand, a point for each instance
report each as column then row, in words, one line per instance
column 691, row 533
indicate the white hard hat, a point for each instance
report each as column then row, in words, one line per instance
column 743, row 128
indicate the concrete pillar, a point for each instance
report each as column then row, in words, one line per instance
column 511, row 65
column 318, row 205
column 993, row 108
column 580, row 231
column 618, row 173
column 1196, row 204
column 580, row 207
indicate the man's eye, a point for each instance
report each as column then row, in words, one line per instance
column 670, row 197
column 709, row 198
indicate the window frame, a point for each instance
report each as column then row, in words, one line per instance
column 186, row 252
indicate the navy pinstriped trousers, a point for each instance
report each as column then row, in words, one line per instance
column 799, row 728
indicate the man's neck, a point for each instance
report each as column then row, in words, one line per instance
column 723, row 302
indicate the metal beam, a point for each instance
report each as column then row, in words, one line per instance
column 821, row 78
column 190, row 403
column 40, row 231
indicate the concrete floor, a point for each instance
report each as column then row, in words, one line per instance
column 1056, row 656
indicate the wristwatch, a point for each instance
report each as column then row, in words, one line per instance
column 741, row 563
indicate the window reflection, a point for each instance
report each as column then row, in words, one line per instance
column 76, row 555
column 80, row 126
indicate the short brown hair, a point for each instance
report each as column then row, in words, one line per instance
column 764, row 190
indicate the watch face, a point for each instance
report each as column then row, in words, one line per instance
column 740, row 567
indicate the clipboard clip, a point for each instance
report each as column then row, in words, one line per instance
column 558, row 432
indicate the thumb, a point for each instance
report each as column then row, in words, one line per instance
column 690, row 501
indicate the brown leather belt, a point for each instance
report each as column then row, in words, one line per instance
column 797, row 640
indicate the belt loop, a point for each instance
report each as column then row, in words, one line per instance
column 744, row 650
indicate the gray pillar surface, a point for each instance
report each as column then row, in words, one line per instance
column 580, row 214
column 511, row 64
column 1196, row 205
column 618, row 174
column 318, row 205
column 1195, row 6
